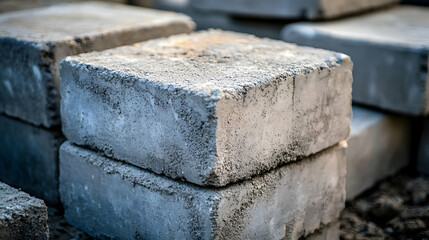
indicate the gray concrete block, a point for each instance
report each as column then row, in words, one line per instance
column 32, row 43
column 291, row 9
column 423, row 152
column 111, row 199
column 389, row 50
column 22, row 216
column 29, row 158
column 211, row 107
column 379, row 146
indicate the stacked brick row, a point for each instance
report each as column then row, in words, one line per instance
column 32, row 43
column 210, row 135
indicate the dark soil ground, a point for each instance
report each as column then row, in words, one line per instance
column 397, row 208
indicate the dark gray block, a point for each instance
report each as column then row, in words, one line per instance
column 423, row 154
column 22, row 216
column 379, row 146
column 32, row 43
column 389, row 50
column 291, row 9
column 29, row 158
column 111, row 199
column 211, row 107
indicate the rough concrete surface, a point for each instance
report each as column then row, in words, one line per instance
column 111, row 199
column 423, row 154
column 22, row 216
column 379, row 146
column 291, row 9
column 329, row 232
column 29, row 158
column 33, row 42
column 389, row 50
column 211, row 108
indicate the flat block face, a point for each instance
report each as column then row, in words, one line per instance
column 22, row 216
column 29, row 158
column 423, row 155
column 379, row 146
column 291, row 9
column 389, row 50
column 33, row 42
column 211, row 107
column 111, row 199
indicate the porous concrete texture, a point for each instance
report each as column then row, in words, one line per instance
column 29, row 158
column 389, row 50
column 22, row 216
column 423, row 152
column 33, row 42
column 379, row 146
column 211, row 107
column 291, row 9
column 112, row 199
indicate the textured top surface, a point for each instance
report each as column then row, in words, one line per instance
column 13, row 201
column 404, row 25
column 211, row 61
column 66, row 21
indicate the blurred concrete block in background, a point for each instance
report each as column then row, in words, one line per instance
column 18, row 5
column 379, row 146
column 29, row 158
column 423, row 155
column 22, row 216
column 212, row 107
column 32, row 43
column 291, row 9
column 389, row 50
column 107, row 198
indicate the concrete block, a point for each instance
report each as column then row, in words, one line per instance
column 423, row 152
column 111, row 199
column 32, row 43
column 29, row 158
column 389, row 50
column 22, row 216
column 291, row 9
column 211, row 107
column 379, row 146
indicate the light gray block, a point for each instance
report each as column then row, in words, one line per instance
column 32, row 43
column 211, row 107
column 291, row 9
column 423, row 154
column 111, row 199
column 389, row 50
column 379, row 146
column 22, row 216
column 29, row 158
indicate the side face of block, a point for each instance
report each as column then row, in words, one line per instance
column 22, row 216
column 423, row 155
column 29, row 158
column 211, row 107
column 390, row 72
column 110, row 199
column 379, row 146
column 29, row 72
column 290, row 9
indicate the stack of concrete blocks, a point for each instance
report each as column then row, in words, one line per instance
column 390, row 51
column 22, row 216
column 211, row 135
column 32, row 43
